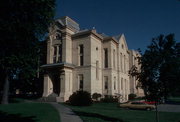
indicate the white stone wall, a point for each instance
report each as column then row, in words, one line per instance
column 96, row 55
column 117, row 70
column 133, row 81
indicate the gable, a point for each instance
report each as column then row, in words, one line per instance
column 122, row 42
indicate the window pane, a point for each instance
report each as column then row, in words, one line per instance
column 80, row 82
column 81, row 61
column 114, row 58
column 121, row 83
column 81, row 55
column 105, row 57
column 55, row 50
column 105, row 82
column 81, row 49
column 97, row 69
column 60, row 53
column 114, row 83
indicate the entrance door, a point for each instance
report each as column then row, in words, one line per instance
column 56, row 83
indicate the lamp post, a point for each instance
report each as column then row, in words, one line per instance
column 38, row 63
column 157, row 116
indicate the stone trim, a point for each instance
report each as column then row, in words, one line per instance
column 61, row 65
column 87, row 33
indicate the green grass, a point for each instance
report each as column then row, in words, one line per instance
column 174, row 99
column 28, row 112
column 101, row 112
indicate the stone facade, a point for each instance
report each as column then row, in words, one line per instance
column 86, row 60
column 133, row 61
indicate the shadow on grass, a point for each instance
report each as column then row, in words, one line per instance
column 173, row 102
column 99, row 116
column 5, row 117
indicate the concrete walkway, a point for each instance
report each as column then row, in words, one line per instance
column 168, row 108
column 66, row 114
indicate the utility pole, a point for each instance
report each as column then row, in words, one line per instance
column 38, row 63
column 157, row 115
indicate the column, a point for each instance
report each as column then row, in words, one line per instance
column 66, row 86
column 48, row 87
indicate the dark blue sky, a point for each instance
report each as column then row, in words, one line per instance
column 139, row 20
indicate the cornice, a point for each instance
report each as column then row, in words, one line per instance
column 87, row 33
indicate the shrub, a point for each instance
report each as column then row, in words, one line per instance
column 109, row 99
column 132, row 96
column 80, row 98
column 96, row 96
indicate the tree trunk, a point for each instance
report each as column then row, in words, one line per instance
column 5, row 91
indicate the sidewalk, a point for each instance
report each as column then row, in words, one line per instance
column 66, row 114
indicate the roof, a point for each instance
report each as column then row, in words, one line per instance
column 67, row 21
column 87, row 32
column 103, row 35
column 63, row 64
column 117, row 37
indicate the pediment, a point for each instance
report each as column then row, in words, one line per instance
column 122, row 42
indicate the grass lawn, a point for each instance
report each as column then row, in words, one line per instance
column 28, row 112
column 100, row 112
column 175, row 99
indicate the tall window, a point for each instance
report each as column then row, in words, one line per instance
column 124, row 64
column 81, row 55
column 114, row 58
column 121, row 83
column 125, row 84
column 81, row 82
column 57, row 56
column 58, row 36
column 105, row 82
column 106, row 58
column 122, row 46
column 114, row 83
column 97, row 70
column 121, row 62
column 55, row 53
column 60, row 52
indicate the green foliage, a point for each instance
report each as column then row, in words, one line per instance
column 96, row 96
column 28, row 112
column 23, row 24
column 80, row 98
column 132, row 96
column 109, row 112
column 160, row 68
column 109, row 99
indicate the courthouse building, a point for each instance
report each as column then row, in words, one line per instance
column 87, row 60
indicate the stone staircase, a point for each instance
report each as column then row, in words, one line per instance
column 50, row 98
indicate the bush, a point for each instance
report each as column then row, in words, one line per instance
column 132, row 96
column 80, row 98
column 109, row 99
column 96, row 96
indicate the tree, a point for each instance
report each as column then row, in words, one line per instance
column 160, row 68
column 22, row 24
column 80, row 98
column 96, row 96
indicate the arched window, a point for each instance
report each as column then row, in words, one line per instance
column 58, row 36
